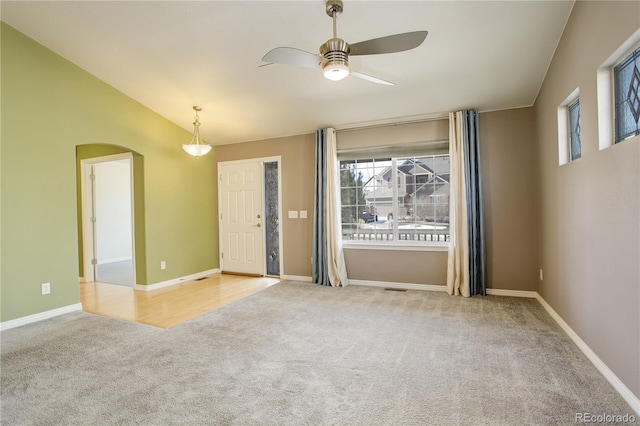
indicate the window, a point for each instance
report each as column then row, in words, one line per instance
column 402, row 200
column 618, row 88
column 626, row 82
column 575, row 149
column 569, row 129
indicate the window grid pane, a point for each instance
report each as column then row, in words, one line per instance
column 417, row 190
column 626, row 78
column 575, row 149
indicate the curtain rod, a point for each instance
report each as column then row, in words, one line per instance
column 373, row 125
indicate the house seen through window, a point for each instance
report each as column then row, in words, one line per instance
column 395, row 199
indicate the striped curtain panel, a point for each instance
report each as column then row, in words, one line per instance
column 328, row 265
column 466, row 268
column 475, row 207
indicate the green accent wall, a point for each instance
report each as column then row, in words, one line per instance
column 50, row 107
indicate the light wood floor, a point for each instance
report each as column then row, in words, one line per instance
column 171, row 305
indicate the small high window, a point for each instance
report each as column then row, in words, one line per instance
column 575, row 149
column 569, row 129
column 618, row 87
column 626, row 81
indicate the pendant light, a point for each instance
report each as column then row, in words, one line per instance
column 197, row 147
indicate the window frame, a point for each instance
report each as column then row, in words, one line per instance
column 632, row 55
column 606, row 92
column 573, row 156
column 564, row 128
column 395, row 243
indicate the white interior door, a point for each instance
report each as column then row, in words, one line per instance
column 241, row 217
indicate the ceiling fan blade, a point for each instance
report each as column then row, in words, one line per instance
column 371, row 78
column 291, row 56
column 389, row 44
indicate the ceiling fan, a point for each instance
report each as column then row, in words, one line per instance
column 334, row 54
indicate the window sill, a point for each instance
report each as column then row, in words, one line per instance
column 398, row 246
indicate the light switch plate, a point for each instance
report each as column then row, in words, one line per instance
column 303, row 214
column 293, row 214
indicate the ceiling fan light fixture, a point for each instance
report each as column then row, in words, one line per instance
column 334, row 53
column 335, row 62
column 335, row 71
column 197, row 147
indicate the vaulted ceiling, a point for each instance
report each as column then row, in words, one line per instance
column 171, row 55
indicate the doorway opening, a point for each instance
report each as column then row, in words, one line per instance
column 107, row 219
column 249, row 200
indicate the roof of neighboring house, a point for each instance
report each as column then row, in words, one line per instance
column 414, row 167
column 437, row 167
column 429, row 190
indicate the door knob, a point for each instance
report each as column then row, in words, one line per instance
column 258, row 225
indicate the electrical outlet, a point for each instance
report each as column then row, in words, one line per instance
column 541, row 275
column 163, row 264
column 46, row 288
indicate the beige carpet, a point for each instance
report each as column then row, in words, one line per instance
column 301, row 354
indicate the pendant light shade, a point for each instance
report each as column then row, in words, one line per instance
column 197, row 147
column 197, row 150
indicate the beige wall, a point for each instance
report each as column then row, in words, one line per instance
column 589, row 209
column 509, row 188
column 298, row 153
column 507, row 153
column 397, row 266
column 401, row 134
column 508, row 184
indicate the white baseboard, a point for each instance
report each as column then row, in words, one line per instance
column 40, row 316
column 399, row 286
column 431, row 287
column 296, row 278
column 512, row 293
column 156, row 286
column 114, row 260
column 617, row 384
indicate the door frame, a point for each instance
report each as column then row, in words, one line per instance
column 261, row 160
column 88, row 240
